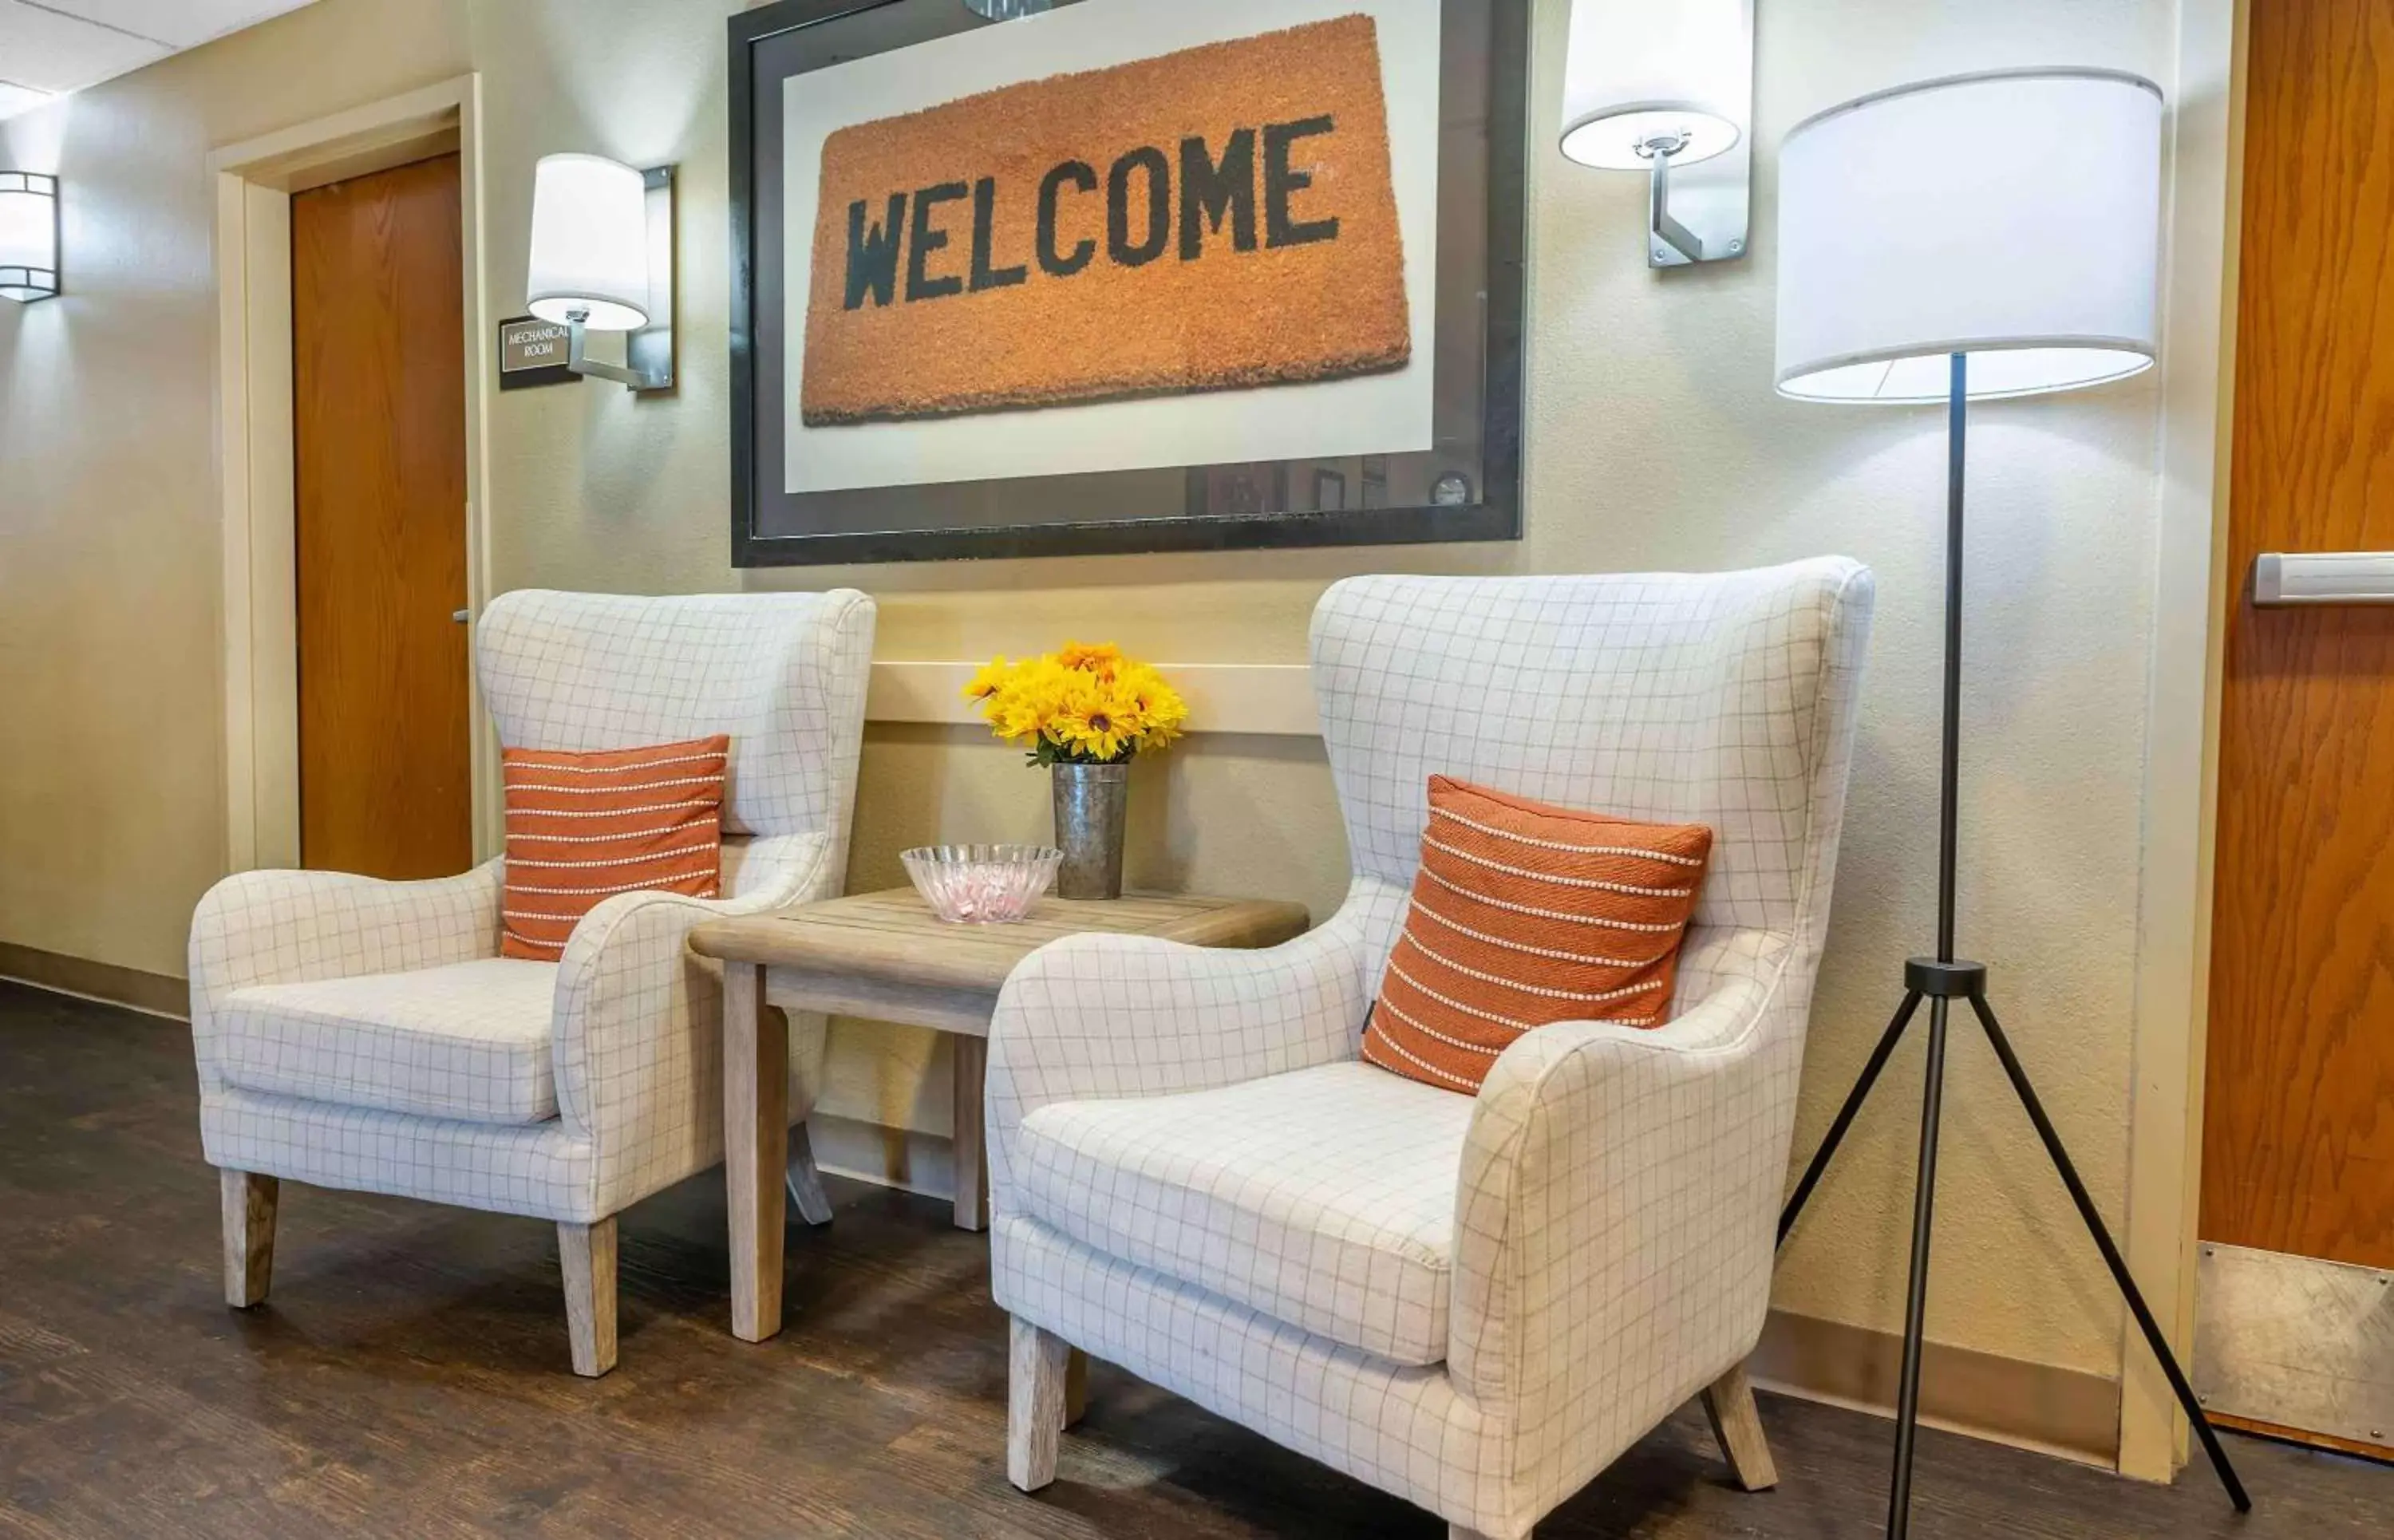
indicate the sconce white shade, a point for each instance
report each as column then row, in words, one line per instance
column 1639, row 69
column 2012, row 216
column 589, row 243
column 29, row 236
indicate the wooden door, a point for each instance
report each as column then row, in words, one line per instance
column 2299, row 1122
column 378, row 389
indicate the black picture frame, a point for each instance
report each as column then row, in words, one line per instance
column 1495, row 515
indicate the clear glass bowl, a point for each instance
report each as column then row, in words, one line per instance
column 982, row 884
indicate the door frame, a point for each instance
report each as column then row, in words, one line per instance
column 253, row 182
column 2193, row 589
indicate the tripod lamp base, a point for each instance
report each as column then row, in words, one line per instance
column 1933, row 979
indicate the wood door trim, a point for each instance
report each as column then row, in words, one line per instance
column 2190, row 595
column 253, row 182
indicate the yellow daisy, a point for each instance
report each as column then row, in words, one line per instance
column 1103, row 659
column 1087, row 721
column 993, row 677
column 1156, row 708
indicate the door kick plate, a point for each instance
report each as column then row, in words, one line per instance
column 2295, row 1341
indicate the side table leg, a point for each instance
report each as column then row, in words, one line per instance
column 973, row 1146
column 755, row 1148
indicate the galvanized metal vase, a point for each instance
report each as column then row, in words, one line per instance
column 1091, row 801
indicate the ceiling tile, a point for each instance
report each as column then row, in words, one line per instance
column 48, row 51
column 179, row 22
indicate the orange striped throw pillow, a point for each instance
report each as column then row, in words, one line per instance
column 582, row 827
column 1525, row 913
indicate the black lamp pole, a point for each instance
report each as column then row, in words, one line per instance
column 1940, row 981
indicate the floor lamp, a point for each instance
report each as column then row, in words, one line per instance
column 1988, row 236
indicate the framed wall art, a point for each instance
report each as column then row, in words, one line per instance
column 1127, row 275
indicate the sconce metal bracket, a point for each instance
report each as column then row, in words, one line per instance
column 1709, row 222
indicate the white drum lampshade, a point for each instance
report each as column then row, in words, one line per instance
column 29, row 236
column 589, row 243
column 1636, row 71
column 2014, row 217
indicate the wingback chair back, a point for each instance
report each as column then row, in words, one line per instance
column 1679, row 698
column 780, row 673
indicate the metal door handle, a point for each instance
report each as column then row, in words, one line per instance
column 2281, row 579
column 462, row 616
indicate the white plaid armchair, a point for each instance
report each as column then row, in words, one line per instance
column 1475, row 1304
column 366, row 1034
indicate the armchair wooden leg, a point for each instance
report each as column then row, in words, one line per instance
column 1035, row 1372
column 247, row 1201
column 804, row 1181
column 586, row 1256
column 1729, row 1404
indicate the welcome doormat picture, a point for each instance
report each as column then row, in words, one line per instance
column 1218, row 217
column 1043, row 285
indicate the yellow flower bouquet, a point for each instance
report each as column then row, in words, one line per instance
column 1084, row 705
column 1083, row 713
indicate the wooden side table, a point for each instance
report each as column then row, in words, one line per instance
column 886, row 957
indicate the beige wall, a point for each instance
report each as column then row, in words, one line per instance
column 111, row 813
column 1654, row 441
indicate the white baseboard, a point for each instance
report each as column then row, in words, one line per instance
column 902, row 1158
column 151, row 994
column 2069, row 1413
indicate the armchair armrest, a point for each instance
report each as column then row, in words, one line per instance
column 637, row 1033
column 1613, row 1222
column 1129, row 1016
column 272, row 927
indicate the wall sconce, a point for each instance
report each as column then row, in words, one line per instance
column 29, row 236
column 1666, row 88
column 602, row 260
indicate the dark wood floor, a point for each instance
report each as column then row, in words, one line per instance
column 409, row 1376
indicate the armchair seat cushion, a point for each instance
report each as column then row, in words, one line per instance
column 468, row 1041
column 1324, row 1198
